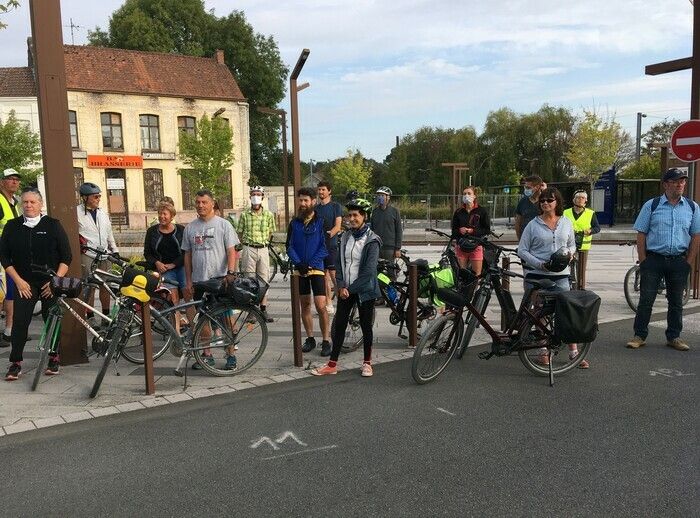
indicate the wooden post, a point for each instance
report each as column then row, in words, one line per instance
column 296, row 321
column 147, row 348
column 505, row 284
column 581, row 269
column 412, row 316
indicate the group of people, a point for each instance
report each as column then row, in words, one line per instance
column 331, row 261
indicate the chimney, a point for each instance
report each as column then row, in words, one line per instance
column 220, row 57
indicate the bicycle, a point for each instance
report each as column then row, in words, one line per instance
column 633, row 279
column 279, row 260
column 530, row 331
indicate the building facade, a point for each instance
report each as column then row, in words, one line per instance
column 127, row 110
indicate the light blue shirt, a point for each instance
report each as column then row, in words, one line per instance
column 669, row 230
column 539, row 242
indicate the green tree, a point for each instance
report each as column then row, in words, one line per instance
column 5, row 6
column 208, row 155
column 185, row 27
column 659, row 133
column 647, row 167
column 350, row 173
column 20, row 148
column 595, row 146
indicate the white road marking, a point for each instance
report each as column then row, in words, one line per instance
column 300, row 452
column 264, row 440
column 445, row 411
column 289, row 435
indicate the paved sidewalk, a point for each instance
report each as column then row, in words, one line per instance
column 64, row 398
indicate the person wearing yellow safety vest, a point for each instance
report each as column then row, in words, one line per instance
column 585, row 225
column 9, row 203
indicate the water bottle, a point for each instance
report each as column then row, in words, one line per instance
column 392, row 294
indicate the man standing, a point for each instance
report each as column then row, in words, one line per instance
column 386, row 223
column 528, row 208
column 95, row 230
column 585, row 224
column 306, row 247
column 668, row 238
column 9, row 206
column 209, row 243
column 255, row 228
column 331, row 213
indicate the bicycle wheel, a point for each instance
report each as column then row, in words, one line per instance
column 631, row 286
column 228, row 340
column 353, row 334
column 118, row 333
column 160, row 332
column 47, row 344
column 686, row 292
column 480, row 302
column 561, row 358
column 436, row 347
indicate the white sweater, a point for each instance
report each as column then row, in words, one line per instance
column 97, row 233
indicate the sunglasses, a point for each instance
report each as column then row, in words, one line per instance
column 548, row 200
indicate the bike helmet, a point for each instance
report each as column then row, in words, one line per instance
column 359, row 204
column 558, row 261
column 257, row 188
column 352, row 195
column 384, row 190
column 89, row 188
column 467, row 244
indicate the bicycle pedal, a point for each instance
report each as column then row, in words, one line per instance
column 178, row 373
column 485, row 355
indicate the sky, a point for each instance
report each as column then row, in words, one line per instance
column 380, row 69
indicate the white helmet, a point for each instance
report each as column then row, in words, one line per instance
column 384, row 190
column 257, row 188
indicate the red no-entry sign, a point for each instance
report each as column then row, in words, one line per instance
column 685, row 141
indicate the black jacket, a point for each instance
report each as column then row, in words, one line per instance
column 45, row 244
column 477, row 218
column 153, row 240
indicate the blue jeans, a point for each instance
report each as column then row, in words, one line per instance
column 176, row 277
column 674, row 270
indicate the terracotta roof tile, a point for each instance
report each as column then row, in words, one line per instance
column 17, row 82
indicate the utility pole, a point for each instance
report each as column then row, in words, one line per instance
column 639, row 134
column 294, row 109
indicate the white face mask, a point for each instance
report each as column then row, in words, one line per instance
column 31, row 222
column 467, row 199
column 256, row 200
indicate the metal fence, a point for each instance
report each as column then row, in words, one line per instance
column 431, row 207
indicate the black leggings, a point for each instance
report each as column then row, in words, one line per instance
column 342, row 313
column 23, row 317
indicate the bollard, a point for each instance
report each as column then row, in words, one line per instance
column 296, row 321
column 505, row 284
column 147, row 348
column 412, row 316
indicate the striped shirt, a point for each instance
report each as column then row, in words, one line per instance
column 255, row 228
column 670, row 228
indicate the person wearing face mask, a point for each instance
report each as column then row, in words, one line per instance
column 255, row 228
column 528, row 208
column 386, row 223
column 32, row 239
column 470, row 220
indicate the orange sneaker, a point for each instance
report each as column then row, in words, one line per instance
column 324, row 371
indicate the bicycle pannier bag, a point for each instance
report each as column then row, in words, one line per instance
column 576, row 316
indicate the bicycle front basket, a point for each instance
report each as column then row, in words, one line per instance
column 69, row 287
column 245, row 289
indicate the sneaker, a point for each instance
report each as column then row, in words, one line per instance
column 678, row 344
column 324, row 371
column 13, row 372
column 52, row 369
column 210, row 361
column 325, row 348
column 636, row 342
column 231, row 363
column 309, row 344
column 267, row 317
column 366, row 370
column 5, row 340
column 330, row 309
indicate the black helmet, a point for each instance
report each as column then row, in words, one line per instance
column 467, row 244
column 558, row 261
column 89, row 188
column 352, row 195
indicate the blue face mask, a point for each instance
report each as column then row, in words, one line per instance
column 528, row 192
column 381, row 200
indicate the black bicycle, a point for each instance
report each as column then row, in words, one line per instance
column 279, row 261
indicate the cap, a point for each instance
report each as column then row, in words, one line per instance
column 7, row 173
column 674, row 174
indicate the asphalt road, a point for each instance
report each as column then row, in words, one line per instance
column 486, row 439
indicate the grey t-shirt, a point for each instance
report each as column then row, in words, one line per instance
column 209, row 241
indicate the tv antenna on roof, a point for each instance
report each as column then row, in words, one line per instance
column 72, row 29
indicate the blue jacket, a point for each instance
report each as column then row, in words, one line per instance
column 366, row 285
column 307, row 243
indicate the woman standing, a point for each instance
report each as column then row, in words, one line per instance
column 546, row 247
column 32, row 238
column 356, row 283
column 470, row 220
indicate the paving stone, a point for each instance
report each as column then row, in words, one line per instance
column 222, row 390
column 107, row 410
column 19, row 427
column 157, row 401
column 242, row 385
column 195, row 394
column 177, row 398
column 259, row 382
column 129, row 407
column 76, row 416
column 49, row 421
column 282, row 377
column 299, row 374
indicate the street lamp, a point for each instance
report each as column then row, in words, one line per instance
column 285, row 156
column 640, row 115
column 294, row 108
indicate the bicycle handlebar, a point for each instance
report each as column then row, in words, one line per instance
column 112, row 257
column 42, row 269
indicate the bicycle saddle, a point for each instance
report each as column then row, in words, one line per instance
column 452, row 297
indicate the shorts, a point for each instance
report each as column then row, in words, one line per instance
column 10, row 288
column 317, row 283
column 255, row 260
column 86, row 262
column 175, row 277
column 329, row 260
column 476, row 255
